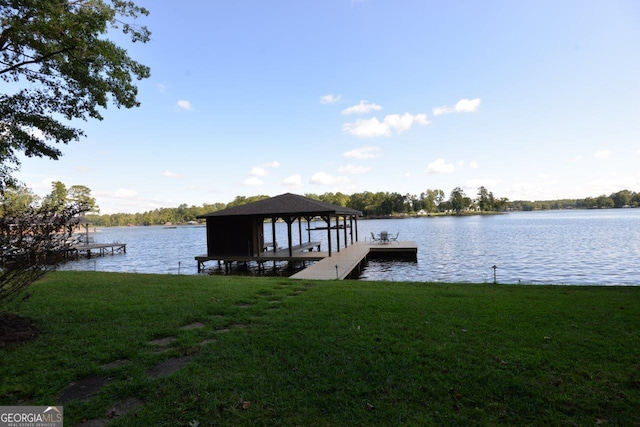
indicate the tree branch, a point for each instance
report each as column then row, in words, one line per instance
column 36, row 60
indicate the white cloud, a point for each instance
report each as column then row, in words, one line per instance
column 473, row 165
column 125, row 193
column 467, row 105
column 184, row 105
column 363, row 153
column 355, row 170
column 253, row 181
column 602, row 154
column 439, row 166
column 362, row 108
column 638, row 153
column 262, row 170
column 259, row 171
column 170, row 174
column 273, row 164
column 371, row 128
column 323, row 178
column 293, row 181
column 462, row 106
column 330, row 99
column 576, row 159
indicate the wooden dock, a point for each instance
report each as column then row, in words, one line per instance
column 300, row 253
column 101, row 249
column 350, row 261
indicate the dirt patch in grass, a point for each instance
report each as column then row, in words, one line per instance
column 15, row 330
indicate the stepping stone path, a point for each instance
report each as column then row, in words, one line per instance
column 168, row 367
column 195, row 325
column 163, row 342
column 83, row 389
column 88, row 387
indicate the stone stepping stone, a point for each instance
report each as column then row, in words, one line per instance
column 116, row 364
column 207, row 341
column 194, row 325
column 244, row 305
column 83, row 389
column 163, row 342
column 168, row 367
column 221, row 331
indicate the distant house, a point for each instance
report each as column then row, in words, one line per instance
column 237, row 233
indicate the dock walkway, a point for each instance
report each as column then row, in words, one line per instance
column 350, row 260
column 101, row 248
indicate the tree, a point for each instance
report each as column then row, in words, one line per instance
column 457, row 200
column 60, row 66
column 621, row 198
column 32, row 242
column 16, row 200
column 81, row 194
column 58, row 196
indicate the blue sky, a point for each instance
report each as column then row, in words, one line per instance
column 531, row 99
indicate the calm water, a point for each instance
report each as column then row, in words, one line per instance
column 558, row 247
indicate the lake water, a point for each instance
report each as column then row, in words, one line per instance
column 557, row 247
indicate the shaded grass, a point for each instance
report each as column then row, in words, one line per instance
column 333, row 353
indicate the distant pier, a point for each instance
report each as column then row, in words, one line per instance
column 96, row 249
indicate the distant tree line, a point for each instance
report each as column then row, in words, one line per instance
column 384, row 204
column 620, row 199
column 371, row 204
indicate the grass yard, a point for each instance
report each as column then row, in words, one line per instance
column 227, row 351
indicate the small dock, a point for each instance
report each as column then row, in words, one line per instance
column 101, row 249
column 300, row 253
column 349, row 262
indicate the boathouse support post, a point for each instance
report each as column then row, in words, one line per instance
column 273, row 234
column 338, row 233
column 289, row 235
column 308, row 218
column 300, row 230
column 327, row 219
column 344, row 223
column 355, row 219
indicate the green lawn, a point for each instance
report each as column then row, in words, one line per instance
column 281, row 352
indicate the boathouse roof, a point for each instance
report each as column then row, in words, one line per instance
column 287, row 204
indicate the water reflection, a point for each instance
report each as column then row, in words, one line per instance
column 559, row 247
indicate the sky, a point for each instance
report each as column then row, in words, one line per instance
column 534, row 100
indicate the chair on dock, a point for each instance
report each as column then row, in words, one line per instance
column 374, row 238
column 394, row 239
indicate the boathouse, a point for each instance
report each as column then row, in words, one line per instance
column 237, row 233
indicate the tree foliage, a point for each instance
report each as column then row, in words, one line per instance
column 32, row 242
column 58, row 65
